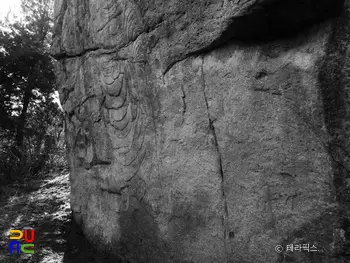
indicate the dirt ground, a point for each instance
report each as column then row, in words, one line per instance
column 43, row 205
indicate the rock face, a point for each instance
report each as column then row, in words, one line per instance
column 208, row 131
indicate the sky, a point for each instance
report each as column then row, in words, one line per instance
column 6, row 5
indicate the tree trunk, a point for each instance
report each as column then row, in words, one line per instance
column 21, row 125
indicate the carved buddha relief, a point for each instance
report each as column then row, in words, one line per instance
column 122, row 111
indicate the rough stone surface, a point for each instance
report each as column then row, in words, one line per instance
column 208, row 131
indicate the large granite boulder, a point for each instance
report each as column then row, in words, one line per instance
column 208, row 131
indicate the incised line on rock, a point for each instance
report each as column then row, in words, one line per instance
column 219, row 160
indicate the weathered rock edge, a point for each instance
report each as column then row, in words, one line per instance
column 255, row 19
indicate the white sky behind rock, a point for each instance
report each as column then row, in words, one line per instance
column 7, row 5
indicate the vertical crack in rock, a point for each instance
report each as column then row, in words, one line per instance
column 154, row 117
column 273, row 215
column 219, row 160
column 157, row 151
column 59, row 18
column 183, row 96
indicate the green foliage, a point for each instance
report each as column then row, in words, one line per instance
column 30, row 122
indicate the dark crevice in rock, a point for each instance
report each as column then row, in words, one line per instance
column 100, row 162
column 174, row 62
column 183, row 96
column 65, row 55
column 219, row 161
column 102, row 50
column 267, row 90
column 111, row 191
column 78, row 106
column 261, row 74
column 271, row 21
column 337, row 159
